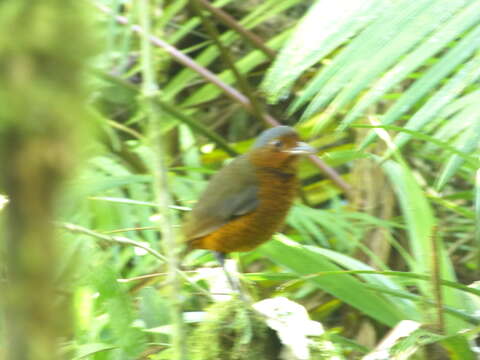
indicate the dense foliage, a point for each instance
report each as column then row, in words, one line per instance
column 384, row 229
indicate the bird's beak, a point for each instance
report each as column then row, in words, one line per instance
column 302, row 148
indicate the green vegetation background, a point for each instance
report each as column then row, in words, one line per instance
column 108, row 134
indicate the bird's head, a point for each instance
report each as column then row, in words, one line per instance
column 278, row 147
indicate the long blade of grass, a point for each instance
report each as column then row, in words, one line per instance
column 354, row 264
column 303, row 261
column 421, row 224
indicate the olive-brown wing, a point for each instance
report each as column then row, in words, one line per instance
column 231, row 192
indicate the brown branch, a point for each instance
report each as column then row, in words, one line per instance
column 227, row 57
column 234, row 25
column 182, row 59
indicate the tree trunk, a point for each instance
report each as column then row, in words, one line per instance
column 41, row 108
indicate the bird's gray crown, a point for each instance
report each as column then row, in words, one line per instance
column 273, row 133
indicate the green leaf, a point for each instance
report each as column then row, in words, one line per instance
column 347, row 262
column 437, row 40
column 477, row 215
column 86, row 350
column 409, row 36
column 154, row 310
column 421, row 226
column 305, row 260
column 457, row 55
column 467, row 142
column 326, row 26
column 467, row 74
column 388, row 33
column 116, row 303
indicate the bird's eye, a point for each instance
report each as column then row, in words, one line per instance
column 277, row 143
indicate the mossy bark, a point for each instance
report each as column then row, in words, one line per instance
column 233, row 331
column 42, row 50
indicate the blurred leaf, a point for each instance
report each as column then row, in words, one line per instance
column 477, row 214
column 154, row 310
column 115, row 301
column 86, row 350
column 467, row 142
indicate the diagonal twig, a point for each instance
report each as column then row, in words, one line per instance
column 125, row 241
column 234, row 25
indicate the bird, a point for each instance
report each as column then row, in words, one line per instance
column 247, row 201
